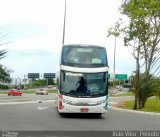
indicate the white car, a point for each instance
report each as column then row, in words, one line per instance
column 119, row 87
column 42, row 91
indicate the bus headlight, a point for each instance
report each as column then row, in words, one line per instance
column 67, row 101
column 101, row 102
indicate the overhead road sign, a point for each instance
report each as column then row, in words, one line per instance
column 118, row 76
column 49, row 75
column 33, row 75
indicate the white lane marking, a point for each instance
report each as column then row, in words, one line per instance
column 42, row 108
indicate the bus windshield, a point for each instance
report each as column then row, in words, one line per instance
column 88, row 56
column 83, row 84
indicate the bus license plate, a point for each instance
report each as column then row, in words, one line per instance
column 84, row 110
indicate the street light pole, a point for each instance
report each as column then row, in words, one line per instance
column 114, row 65
column 64, row 23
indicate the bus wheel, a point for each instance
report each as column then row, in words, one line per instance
column 98, row 115
column 61, row 114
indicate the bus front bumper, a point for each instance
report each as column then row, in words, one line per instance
column 66, row 108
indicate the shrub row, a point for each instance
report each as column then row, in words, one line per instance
column 4, row 86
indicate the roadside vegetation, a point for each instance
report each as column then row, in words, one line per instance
column 124, row 94
column 34, row 91
column 30, row 91
column 4, row 71
column 3, row 86
column 142, row 34
column 36, row 83
column 152, row 105
column 41, row 82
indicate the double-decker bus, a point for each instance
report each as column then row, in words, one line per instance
column 82, row 80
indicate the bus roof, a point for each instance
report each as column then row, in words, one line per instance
column 83, row 45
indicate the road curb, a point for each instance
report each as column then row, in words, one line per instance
column 133, row 111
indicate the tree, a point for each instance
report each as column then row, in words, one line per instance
column 4, row 72
column 143, row 34
column 145, row 27
column 116, row 31
column 145, row 19
column 158, row 91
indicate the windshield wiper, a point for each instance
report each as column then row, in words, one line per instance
column 71, row 92
column 97, row 93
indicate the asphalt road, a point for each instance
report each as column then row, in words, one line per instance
column 35, row 116
column 50, row 96
column 26, row 97
column 44, row 117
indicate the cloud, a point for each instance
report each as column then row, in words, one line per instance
column 31, row 62
column 28, row 36
column 35, row 30
column 29, row 11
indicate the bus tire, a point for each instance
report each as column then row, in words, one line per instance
column 98, row 115
column 61, row 114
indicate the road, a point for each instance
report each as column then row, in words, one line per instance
column 44, row 117
column 26, row 97
column 50, row 96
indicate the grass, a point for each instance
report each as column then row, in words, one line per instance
column 3, row 92
column 152, row 105
column 34, row 91
column 124, row 94
column 52, row 91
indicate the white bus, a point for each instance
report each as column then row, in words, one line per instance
column 82, row 80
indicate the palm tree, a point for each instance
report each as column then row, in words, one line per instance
column 4, row 72
column 2, row 53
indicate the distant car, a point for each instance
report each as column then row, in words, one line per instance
column 127, row 85
column 50, row 86
column 14, row 92
column 119, row 87
column 42, row 91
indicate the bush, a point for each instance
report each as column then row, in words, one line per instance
column 4, row 86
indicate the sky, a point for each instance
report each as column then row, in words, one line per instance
column 33, row 32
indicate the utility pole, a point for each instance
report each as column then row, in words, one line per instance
column 64, row 23
column 114, row 65
column 47, row 82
